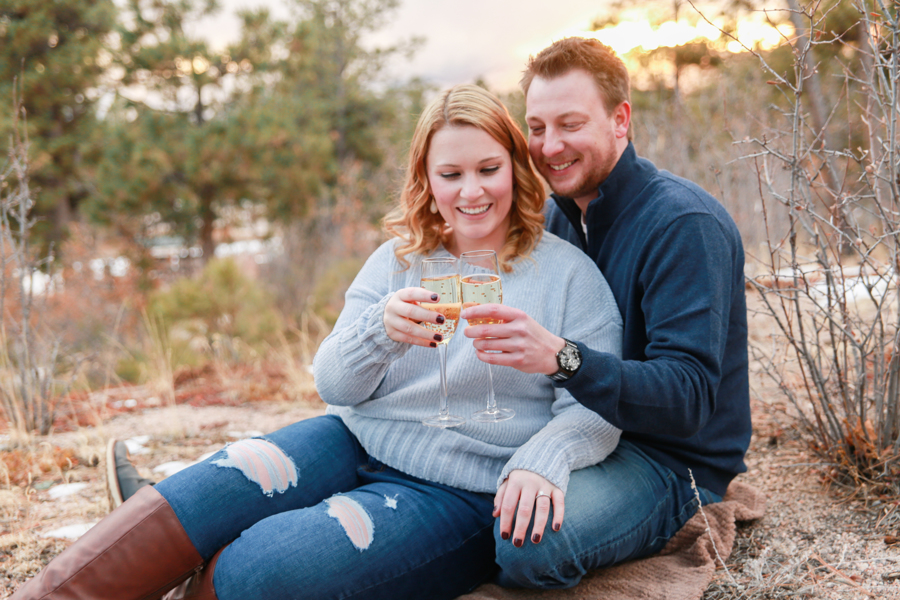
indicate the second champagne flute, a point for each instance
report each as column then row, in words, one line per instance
column 480, row 278
column 441, row 276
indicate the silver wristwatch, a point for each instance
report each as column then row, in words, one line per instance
column 568, row 360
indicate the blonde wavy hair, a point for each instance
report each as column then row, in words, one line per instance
column 412, row 222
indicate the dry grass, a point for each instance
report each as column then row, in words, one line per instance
column 22, row 555
column 33, row 464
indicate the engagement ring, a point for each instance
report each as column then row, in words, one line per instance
column 539, row 494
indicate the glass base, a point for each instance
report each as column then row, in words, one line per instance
column 493, row 416
column 443, row 422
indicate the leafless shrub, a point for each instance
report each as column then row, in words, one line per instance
column 30, row 358
column 828, row 276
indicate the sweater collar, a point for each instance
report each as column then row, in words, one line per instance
column 623, row 184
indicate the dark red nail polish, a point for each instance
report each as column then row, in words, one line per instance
column 556, row 527
column 517, row 542
column 495, row 509
column 536, row 538
column 438, row 337
column 432, row 344
column 440, row 319
column 434, row 297
column 504, row 535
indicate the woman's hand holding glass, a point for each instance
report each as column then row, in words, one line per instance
column 522, row 494
column 403, row 317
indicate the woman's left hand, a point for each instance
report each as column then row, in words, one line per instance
column 522, row 494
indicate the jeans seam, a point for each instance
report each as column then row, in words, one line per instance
column 374, row 585
column 693, row 502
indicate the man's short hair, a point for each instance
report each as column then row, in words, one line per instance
column 590, row 55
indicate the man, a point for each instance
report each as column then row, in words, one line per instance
column 674, row 261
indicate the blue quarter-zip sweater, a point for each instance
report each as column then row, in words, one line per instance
column 674, row 260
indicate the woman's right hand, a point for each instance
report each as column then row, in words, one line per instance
column 522, row 494
column 402, row 315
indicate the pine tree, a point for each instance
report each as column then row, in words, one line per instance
column 55, row 49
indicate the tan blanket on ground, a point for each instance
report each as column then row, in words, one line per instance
column 681, row 571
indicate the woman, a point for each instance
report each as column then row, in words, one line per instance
column 365, row 501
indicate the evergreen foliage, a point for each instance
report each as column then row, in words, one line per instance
column 56, row 50
column 271, row 119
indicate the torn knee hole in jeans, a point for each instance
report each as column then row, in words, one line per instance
column 354, row 519
column 263, row 463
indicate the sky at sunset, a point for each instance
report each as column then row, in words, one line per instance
column 492, row 39
column 464, row 39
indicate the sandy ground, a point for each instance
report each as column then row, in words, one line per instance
column 812, row 542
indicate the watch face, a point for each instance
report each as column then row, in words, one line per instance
column 569, row 359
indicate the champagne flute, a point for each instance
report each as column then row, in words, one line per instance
column 441, row 276
column 481, row 285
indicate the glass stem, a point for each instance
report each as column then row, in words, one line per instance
column 442, row 352
column 492, row 402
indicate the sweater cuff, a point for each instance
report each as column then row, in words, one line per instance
column 574, row 439
column 367, row 342
column 556, row 451
column 553, row 467
column 597, row 380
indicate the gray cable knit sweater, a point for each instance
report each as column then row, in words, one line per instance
column 382, row 389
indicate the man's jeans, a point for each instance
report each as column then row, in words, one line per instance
column 626, row 507
column 309, row 514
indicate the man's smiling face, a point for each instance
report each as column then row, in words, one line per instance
column 573, row 140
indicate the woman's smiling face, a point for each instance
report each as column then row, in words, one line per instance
column 471, row 177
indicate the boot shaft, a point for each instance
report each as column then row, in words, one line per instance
column 138, row 552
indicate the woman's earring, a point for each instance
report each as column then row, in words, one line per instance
column 433, row 207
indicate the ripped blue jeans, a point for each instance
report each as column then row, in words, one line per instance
column 308, row 513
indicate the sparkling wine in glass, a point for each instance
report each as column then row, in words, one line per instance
column 480, row 279
column 441, row 276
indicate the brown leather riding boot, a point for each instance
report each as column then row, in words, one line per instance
column 199, row 586
column 138, row 552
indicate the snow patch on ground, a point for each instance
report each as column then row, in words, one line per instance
column 65, row 490
column 69, row 532
column 135, row 445
column 241, row 435
column 170, row 468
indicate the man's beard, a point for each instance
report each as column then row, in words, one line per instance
column 584, row 186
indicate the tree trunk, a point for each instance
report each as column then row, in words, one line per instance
column 207, row 218
column 812, row 97
column 869, row 49
column 62, row 216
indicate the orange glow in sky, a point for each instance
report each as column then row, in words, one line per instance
column 634, row 31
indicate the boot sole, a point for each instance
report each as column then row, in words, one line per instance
column 113, row 491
